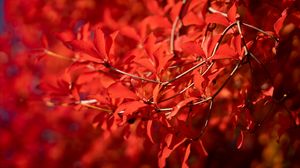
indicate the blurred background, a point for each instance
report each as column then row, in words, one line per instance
column 1, row 16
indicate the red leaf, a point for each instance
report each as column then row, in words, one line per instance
column 86, row 47
column 163, row 155
column 237, row 44
column 192, row 19
column 156, row 21
column 166, row 151
column 150, row 48
column 200, row 148
column 216, row 18
column 118, row 90
column 163, row 62
column 66, row 36
column 129, row 108
column 153, row 7
column 156, row 93
column 175, row 10
column 198, row 79
column 168, row 140
column 269, row 92
column 192, row 48
column 163, row 57
column 130, row 32
column 186, row 156
column 110, row 43
column 224, row 52
column 240, row 140
column 145, row 62
column 232, row 13
column 209, row 44
column 279, row 23
column 99, row 41
column 180, row 105
column 149, row 133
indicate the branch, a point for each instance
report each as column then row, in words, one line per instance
column 184, row 73
column 220, row 39
column 174, row 25
column 191, row 85
column 172, row 38
column 55, row 55
column 260, row 30
column 107, row 65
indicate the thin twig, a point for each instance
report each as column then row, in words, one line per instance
column 172, row 38
column 206, row 118
column 260, row 30
column 212, row 10
column 227, row 79
column 174, row 25
column 220, row 39
column 179, row 93
column 184, row 73
column 131, row 75
column 95, row 107
column 55, row 55
column 189, row 86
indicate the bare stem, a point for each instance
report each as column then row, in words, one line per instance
column 131, row 75
column 184, row 73
column 55, row 55
column 260, row 30
column 227, row 79
column 220, row 39
column 172, row 38
column 95, row 107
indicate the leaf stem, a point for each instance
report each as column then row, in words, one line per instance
column 220, row 39
column 129, row 74
column 260, row 30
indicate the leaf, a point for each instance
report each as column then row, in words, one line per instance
column 163, row 155
column 130, row 32
column 180, row 105
column 146, row 63
column 224, row 52
column 110, row 43
column 155, row 22
column 232, row 13
column 156, row 93
column 200, row 148
column 129, row 108
column 192, row 48
column 209, row 44
column 240, row 140
column 175, row 10
column 279, row 23
column 86, row 47
column 236, row 42
column 186, row 156
column 66, row 36
column 192, row 19
column 150, row 48
column 216, row 18
column 168, row 139
column 149, row 133
column 166, row 151
column 269, row 92
column 100, row 41
column 163, row 57
column 198, row 79
column 154, row 8
column 118, row 90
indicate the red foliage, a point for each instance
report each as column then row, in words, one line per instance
column 196, row 83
